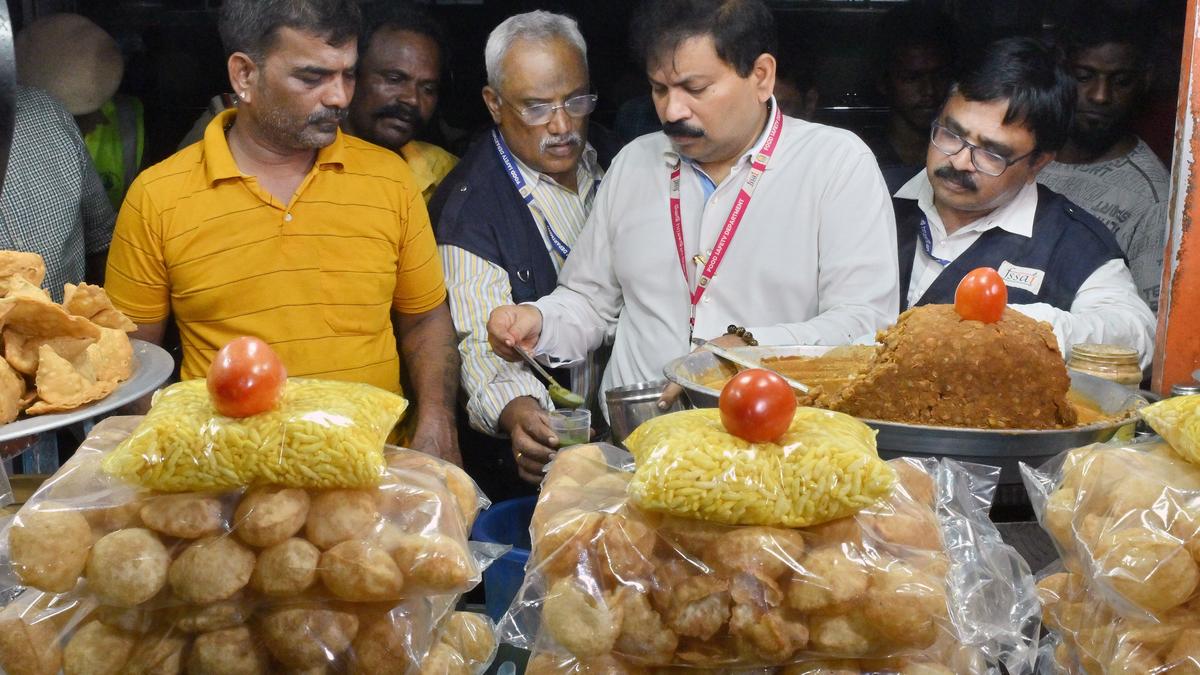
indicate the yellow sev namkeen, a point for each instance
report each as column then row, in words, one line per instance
column 323, row 434
column 823, row 468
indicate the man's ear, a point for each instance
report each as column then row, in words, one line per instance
column 243, row 74
column 763, row 76
column 491, row 98
column 1039, row 162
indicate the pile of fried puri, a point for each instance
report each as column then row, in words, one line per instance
column 1126, row 521
column 56, row 357
column 614, row 589
column 119, row 579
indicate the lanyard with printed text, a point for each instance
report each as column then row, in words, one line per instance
column 757, row 166
column 927, row 242
column 510, row 167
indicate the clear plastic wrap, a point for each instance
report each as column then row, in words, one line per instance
column 1126, row 522
column 920, row 578
column 265, row 579
column 323, row 434
column 823, row 468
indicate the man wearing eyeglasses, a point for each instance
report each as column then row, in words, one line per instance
column 977, row 204
column 506, row 220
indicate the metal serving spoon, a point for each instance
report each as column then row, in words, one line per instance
column 560, row 395
column 733, row 358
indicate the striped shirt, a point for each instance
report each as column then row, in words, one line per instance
column 477, row 286
column 317, row 278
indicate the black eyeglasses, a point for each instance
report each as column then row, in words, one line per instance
column 541, row 113
column 987, row 162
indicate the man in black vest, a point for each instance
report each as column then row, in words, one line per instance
column 977, row 204
column 506, row 219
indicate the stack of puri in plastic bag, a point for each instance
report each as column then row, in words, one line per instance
column 915, row 581
column 230, row 572
column 1126, row 521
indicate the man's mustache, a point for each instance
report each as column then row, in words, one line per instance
column 401, row 111
column 328, row 116
column 682, row 129
column 960, row 178
column 571, row 138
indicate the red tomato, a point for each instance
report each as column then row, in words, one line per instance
column 246, row 378
column 981, row 296
column 757, row 405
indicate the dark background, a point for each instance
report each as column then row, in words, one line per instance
column 175, row 62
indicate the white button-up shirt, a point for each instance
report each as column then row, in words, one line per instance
column 1107, row 308
column 813, row 262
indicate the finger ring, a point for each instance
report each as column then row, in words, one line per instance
column 520, row 454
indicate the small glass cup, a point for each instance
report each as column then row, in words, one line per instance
column 572, row 427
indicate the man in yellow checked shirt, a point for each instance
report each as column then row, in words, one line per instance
column 277, row 225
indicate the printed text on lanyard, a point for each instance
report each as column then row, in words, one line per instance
column 757, row 166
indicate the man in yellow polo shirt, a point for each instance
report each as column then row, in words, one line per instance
column 399, row 78
column 278, row 225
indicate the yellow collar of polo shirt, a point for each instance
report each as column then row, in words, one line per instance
column 219, row 163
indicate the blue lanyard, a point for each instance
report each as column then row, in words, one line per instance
column 927, row 240
column 510, row 166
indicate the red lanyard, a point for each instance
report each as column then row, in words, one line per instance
column 757, row 166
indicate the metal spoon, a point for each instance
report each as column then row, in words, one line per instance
column 733, row 358
column 560, row 395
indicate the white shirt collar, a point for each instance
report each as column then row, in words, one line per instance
column 671, row 156
column 587, row 163
column 1015, row 217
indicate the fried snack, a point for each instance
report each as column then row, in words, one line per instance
column 582, row 463
column 323, row 434
column 644, row 636
column 358, row 572
column 92, row 303
column 96, row 649
column 700, row 607
column 159, row 653
column 1177, row 419
column 471, row 635
column 211, row 569
column 902, row 526
column 1184, row 656
column 233, row 651
column 842, row 634
column 434, row 562
column 823, row 468
column 338, row 515
column 564, row 542
column 582, row 623
column 135, row 620
column 38, row 316
column 186, row 516
column 269, row 515
column 25, row 265
column 832, row 575
column 215, row 616
column 49, row 547
column 112, row 355
column 29, row 648
column 12, row 389
column 1148, row 568
column 127, row 567
column 550, row 664
column 64, row 385
column 306, row 635
column 112, row 518
column 766, row 634
column 903, row 604
column 23, row 352
column 625, row 547
column 443, row 660
column 382, row 647
column 823, row 667
column 286, row 569
column 763, row 551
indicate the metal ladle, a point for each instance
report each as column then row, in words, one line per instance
column 560, row 395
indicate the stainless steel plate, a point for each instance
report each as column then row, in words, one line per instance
column 152, row 365
column 1003, row 448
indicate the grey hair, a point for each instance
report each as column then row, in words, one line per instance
column 536, row 26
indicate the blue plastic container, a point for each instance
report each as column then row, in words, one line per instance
column 505, row 523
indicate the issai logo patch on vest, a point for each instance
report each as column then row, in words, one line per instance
column 1025, row 278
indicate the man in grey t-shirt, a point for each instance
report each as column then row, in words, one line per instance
column 1105, row 167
